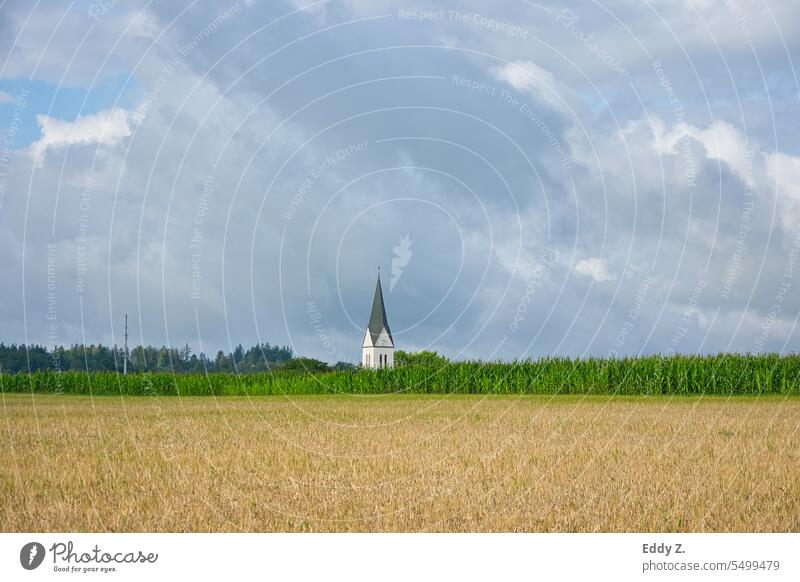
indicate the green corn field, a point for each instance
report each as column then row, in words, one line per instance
column 724, row 374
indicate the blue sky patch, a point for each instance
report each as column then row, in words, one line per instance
column 30, row 98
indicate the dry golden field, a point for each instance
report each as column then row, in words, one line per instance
column 401, row 463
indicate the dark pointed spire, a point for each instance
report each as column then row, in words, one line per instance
column 377, row 317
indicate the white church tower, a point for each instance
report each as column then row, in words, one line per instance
column 377, row 350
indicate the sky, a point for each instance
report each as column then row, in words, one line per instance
column 533, row 179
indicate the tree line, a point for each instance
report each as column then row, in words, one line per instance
column 99, row 358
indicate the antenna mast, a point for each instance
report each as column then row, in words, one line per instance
column 125, row 355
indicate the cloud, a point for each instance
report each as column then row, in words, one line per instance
column 721, row 140
column 144, row 25
column 764, row 173
column 103, row 128
column 5, row 97
column 783, row 171
column 530, row 78
column 594, row 267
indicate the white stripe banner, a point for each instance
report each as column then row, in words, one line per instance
column 371, row 557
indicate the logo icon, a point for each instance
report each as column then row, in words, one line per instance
column 31, row 555
column 402, row 256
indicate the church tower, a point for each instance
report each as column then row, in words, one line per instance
column 377, row 349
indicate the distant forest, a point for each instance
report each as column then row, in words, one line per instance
column 97, row 358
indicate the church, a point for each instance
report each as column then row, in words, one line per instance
column 377, row 349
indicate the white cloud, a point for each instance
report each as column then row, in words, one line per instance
column 765, row 173
column 104, row 127
column 144, row 25
column 594, row 267
column 783, row 171
column 531, row 78
column 5, row 97
column 721, row 140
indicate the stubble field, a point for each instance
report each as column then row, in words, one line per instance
column 399, row 463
